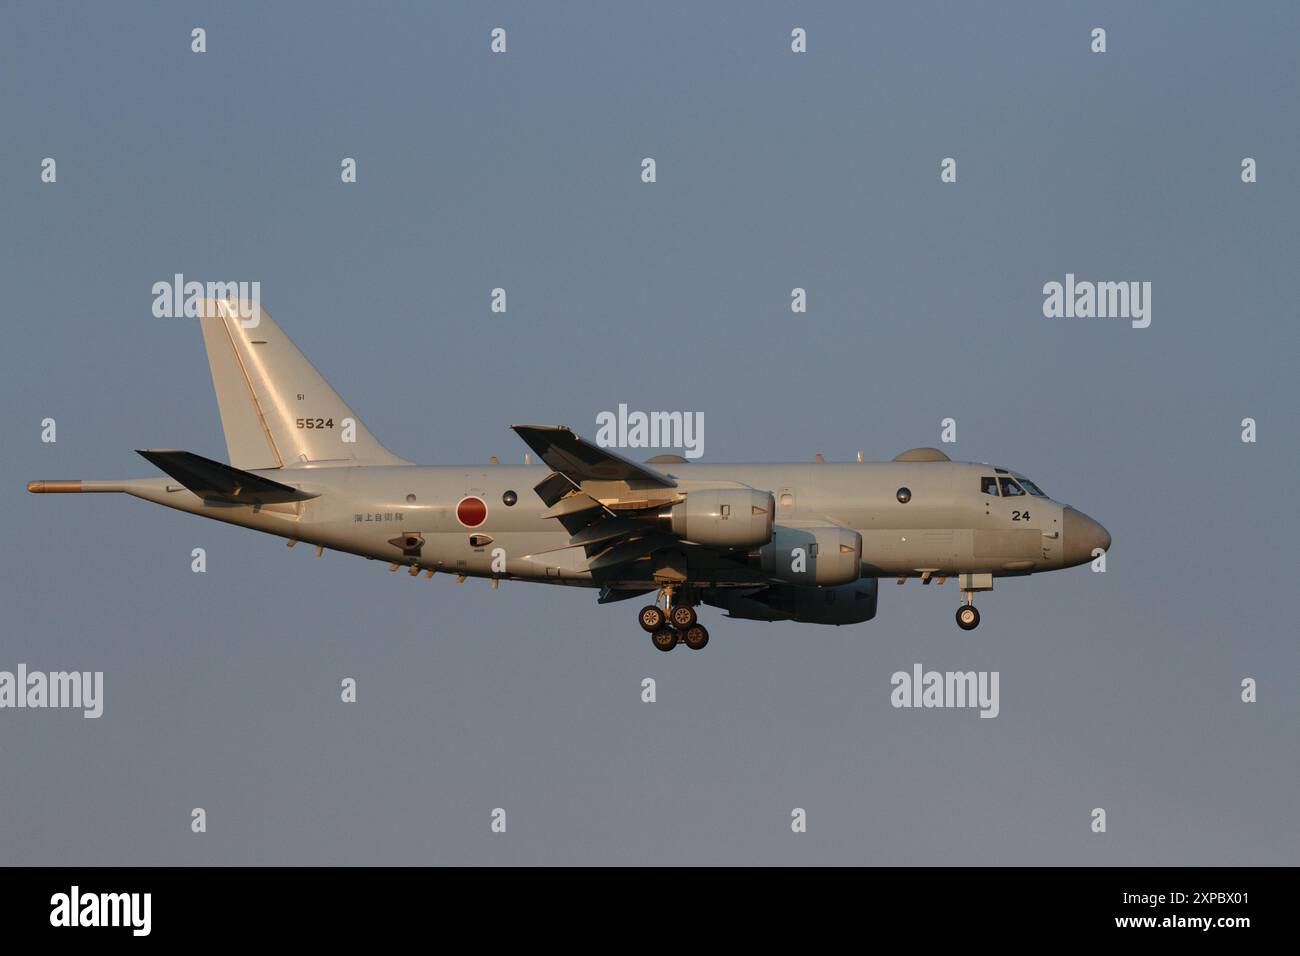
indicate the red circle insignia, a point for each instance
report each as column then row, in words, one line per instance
column 471, row 511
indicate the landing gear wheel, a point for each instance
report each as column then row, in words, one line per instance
column 651, row 618
column 665, row 638
column 682, row 617
column 967, row 617
column 695, row 636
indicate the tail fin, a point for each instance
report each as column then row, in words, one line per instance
column 276, row 409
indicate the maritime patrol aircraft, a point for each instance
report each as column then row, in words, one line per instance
column 767, row 542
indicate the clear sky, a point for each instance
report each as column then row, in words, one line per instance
column 775, row 170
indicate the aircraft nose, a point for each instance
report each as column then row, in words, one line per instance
column 1081, row 536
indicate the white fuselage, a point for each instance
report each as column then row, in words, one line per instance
column 945, row 527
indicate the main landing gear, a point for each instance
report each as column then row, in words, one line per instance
column 968, row 617
column 669, row 624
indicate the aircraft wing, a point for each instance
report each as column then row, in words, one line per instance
column 215, row 481
column 579, row 460
column 595, row 494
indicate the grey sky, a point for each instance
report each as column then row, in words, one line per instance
column 775, row 170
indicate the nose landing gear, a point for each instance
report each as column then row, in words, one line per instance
column 968, row 618
column 670, row 624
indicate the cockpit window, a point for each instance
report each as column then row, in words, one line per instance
column 989, row 486
column 1009, row 488
column 1032, row 488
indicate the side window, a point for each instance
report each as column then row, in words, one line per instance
column 1032, row 488
column 989, row 486
column 1009, row 488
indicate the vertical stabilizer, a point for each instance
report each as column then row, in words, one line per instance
column 276, row 409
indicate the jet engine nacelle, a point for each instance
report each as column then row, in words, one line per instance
column 823, row 555
column 842, row 604
column 723, row 517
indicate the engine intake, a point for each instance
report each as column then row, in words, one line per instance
column 722, row 517
column 821, row 555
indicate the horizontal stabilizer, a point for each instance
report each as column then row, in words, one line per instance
column 213, row 480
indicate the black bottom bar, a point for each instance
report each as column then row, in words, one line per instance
column 375, row 904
